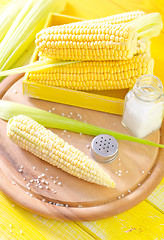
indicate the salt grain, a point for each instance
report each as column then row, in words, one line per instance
column 66, row 205
column 15, row 91
column 46, row 169
column 43, row 200
column 51, row 177
column 139, row 184
column 119, row 171
column 11, row 225
column 129, row 191
column 126, row 171
column 149, row 173
column 31, row 180
column 116, row 172
column 87, row 146
column 79, row 115
column 53, row 109
column 24, row 179
column 49, row 110
column 63, row 114
column 13, row 205
column 122, row 195
column 21, row 232
column 143, row 172
column 119, row 164
column 20, row 170
column 34, row 167
column 119, row 174
column 21, row 167
column 13, row 183
column 59, row 183
column 69, row 136
column 119, row 197
column 71, row 113
column 40, row 186
column 80, row 133
column 47, row 187
column 54, row 181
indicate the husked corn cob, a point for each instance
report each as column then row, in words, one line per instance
column 114, row 19
column 120, row 18
column 95, row 75
column 35, row 138
column 75, row 41
column 92, row 41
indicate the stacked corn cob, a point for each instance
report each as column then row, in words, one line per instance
column 112, row 52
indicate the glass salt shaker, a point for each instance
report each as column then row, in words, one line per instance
column 144, row 106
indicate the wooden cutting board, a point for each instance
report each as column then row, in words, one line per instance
column 137, row 170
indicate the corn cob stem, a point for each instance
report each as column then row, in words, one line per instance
column 35, row 138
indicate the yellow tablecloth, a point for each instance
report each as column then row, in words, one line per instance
column 145, row 221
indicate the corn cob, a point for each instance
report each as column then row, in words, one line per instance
column 115, row 19
column 35, row 138
column 95, row 75
column 94, row 41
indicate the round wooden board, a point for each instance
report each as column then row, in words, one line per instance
column 137, row 170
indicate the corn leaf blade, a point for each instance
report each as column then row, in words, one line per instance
column 10, row 109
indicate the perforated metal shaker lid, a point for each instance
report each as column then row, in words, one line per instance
column 104, row 148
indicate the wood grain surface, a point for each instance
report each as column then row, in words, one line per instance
column 86, row 201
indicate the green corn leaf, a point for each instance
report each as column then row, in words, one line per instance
column 10, row 109
column 36, row 66
column 22, row 32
